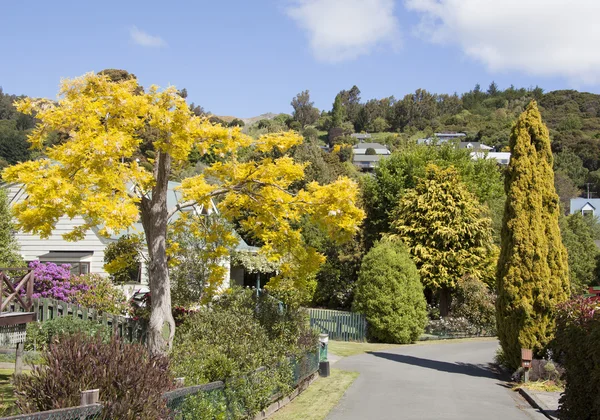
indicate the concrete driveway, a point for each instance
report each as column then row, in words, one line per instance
column 446, row 380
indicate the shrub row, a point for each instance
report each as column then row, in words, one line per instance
column 577, row 348
column 244, row 340
column 235, row 337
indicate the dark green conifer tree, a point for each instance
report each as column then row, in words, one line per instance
column 533, row 273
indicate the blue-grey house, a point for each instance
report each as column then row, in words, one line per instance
column 586, row 206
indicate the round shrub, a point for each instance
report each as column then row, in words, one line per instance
column 390, row 294
column 53, row 281
column 131, row 381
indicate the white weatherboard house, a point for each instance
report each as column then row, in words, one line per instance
column 87, row 255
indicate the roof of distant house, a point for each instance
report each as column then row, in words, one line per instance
column 360, row 136
column 502, row 157
column 441, row 138
column 475, row 145
column 449, row 135
column 579, row 203
column 361, row 148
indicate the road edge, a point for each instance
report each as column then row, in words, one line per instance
column 537, row 404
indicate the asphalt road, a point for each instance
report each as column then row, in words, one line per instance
column 447, row 380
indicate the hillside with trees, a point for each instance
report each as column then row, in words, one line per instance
column 484, row 115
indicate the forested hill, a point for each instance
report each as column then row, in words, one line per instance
column 573, row 119
column 484, row 115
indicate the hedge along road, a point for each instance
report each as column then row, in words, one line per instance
column 445, row 380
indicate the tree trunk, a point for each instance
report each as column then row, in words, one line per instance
column 154, row 215
column 445, row 300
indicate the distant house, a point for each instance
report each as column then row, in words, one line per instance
column 87, row 256
column 503, row 158
column 586, row 207
column 479, row 150
column 368, row 162
column 361, row 136
column 361, row 149
column 473, row 145
column 440, row 138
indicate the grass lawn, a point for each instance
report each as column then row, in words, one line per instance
column 349, row 348
column 7, row 398
column 317, row 401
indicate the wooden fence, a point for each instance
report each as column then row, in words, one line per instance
column 340, row 325
column 48, row 309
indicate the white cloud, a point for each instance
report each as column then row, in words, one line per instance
column 540, row 37
column 144, row 39
column 341, row 30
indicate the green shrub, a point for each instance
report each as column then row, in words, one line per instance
column 41, row 334
column 577, row 349
column 131, row 381
column 231, row 340
column 211, row 405
column 101, row 295
column 390, row 294
column 474, row 302
column 287, row 327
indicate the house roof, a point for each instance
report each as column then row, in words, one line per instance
column 370, row 145
column 577, row 204
column 441, row 138
column 450, row 135
column 475, row 145
column 361, row 148
column 361, row 135
column 66, row 254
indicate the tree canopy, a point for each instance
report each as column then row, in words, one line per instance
column 441, row 223
column 121, row 145
column 304, row 110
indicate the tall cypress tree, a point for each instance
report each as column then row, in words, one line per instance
column 533, row 273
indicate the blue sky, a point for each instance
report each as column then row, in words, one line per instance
column 245, row 58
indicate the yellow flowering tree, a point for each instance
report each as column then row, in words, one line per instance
column 116, row 150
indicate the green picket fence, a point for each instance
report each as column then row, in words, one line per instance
column 339, row 325
column 48, row 309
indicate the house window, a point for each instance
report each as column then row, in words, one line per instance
column 73, row 258
column 77, row 267
column 588, row 213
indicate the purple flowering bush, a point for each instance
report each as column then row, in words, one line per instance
column 53, row 281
